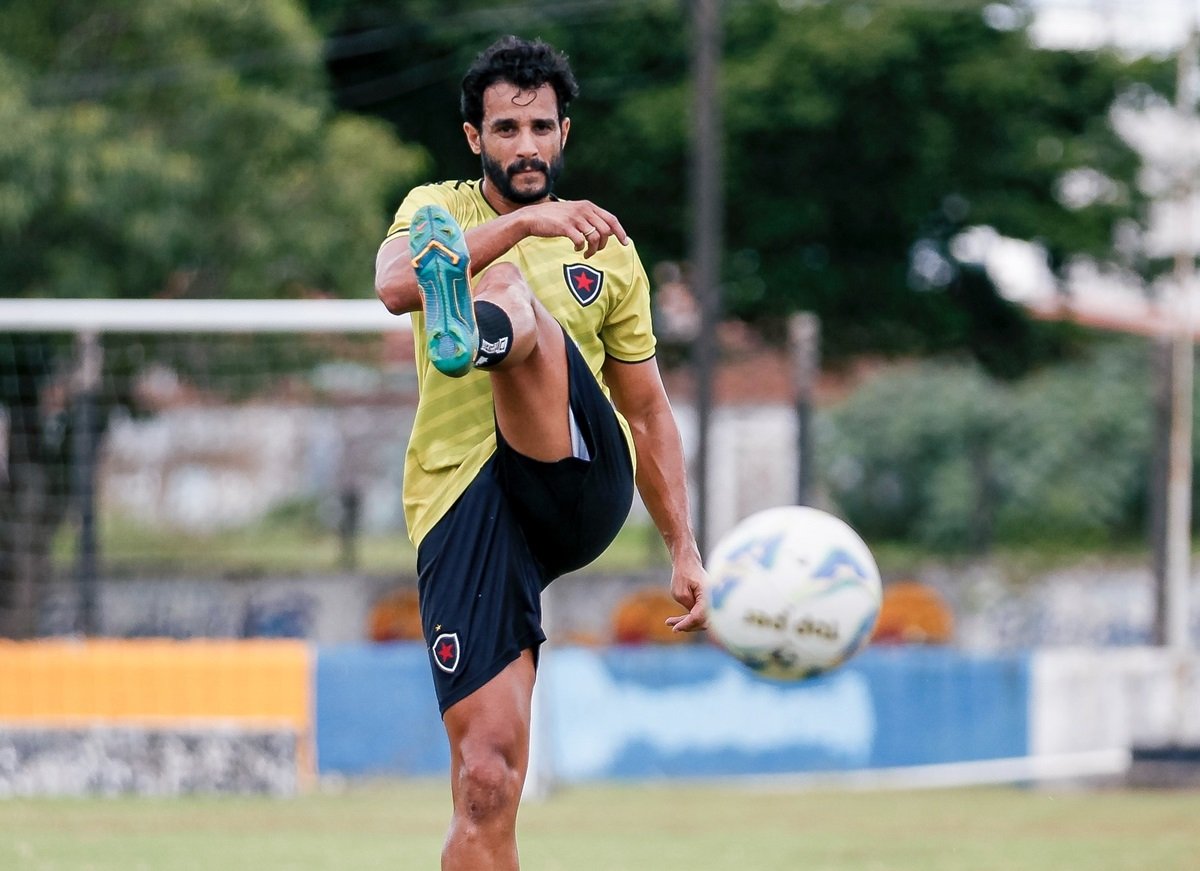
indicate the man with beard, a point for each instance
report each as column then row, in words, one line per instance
column 532, row 320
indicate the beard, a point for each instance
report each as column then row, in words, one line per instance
column 502, row 177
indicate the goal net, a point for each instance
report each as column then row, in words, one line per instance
column 151, row 449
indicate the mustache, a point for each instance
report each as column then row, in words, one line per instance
column 526, row 166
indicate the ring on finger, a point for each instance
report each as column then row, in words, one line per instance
column 590, row 230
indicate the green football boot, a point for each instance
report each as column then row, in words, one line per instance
column 441, row 261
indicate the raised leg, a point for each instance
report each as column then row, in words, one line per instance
column 529, row 382
column 529, row 386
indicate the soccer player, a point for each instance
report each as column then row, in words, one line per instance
column 532, row 320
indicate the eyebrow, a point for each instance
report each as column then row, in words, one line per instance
column 544, row 119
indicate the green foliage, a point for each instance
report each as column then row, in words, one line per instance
column 1075, row 449
column 183, row 148
column 860, row 137
column 162, row 148
column 943, row 455
column 900, row 454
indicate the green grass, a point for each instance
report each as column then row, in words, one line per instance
column 272, row 547
column 620, row 828
column 292, row 545
column 1016, row 560
column 291, row 540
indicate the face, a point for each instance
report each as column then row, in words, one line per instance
column 520, row 142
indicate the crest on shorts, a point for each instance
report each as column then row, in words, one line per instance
column 583, row 281
column 445, row 651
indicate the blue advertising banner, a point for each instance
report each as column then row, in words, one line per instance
column 376, row 712
column 689, row 711
column 694, row 712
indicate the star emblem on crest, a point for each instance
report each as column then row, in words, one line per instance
column 446, row 651
column 584, row 282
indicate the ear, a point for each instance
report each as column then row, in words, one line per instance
column 472, row 137
column 566, row 129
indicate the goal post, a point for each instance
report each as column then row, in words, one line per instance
column 211, row 484
column 198, row 315
column 164, row 435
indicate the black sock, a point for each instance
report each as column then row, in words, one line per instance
column 495, row 334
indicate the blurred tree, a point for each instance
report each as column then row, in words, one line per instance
column 956, row 460
column 912, row 455
column 162, row 148
column 860, row 138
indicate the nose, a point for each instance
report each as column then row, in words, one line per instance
column 527, row 145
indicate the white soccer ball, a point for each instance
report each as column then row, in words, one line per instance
column 792, row 592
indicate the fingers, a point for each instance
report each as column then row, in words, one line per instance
column 590, row 241
column 593, row 228
column 693, row 621
column 588, row 226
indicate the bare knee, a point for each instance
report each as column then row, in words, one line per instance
column 488, row 789
column 503, row 285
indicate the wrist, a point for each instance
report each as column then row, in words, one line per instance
column 684, row 551
column 518, row 225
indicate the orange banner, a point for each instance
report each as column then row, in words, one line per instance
column 157, row 682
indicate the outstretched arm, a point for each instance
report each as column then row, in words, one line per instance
column 587, row 226
column 638, row 393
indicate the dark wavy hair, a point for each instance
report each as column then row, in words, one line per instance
column 520, row 62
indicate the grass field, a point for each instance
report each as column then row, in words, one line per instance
column 281, row 545
column 620, row 828
column 293, row 542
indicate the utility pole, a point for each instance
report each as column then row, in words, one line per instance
column 706, row 234
column 89, row 362
column 1171, row 626
column 804, row 342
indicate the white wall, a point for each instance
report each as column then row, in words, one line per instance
column 1113, row 698
column 753, row 462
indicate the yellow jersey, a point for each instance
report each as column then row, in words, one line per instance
column 603, row 303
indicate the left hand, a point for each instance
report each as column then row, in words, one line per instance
column 583, row 222
column 687, row 587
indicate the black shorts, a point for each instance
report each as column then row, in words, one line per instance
column 519, row 525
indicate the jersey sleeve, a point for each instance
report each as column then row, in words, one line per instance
column 628, row 333
column 435, row 194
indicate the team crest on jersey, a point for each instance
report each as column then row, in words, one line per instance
column 445, row 651
column 584, row 282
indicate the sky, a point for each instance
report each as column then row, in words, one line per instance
column 1138, row 26
column 1020, row 268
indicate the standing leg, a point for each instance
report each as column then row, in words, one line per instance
column 489, row 754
